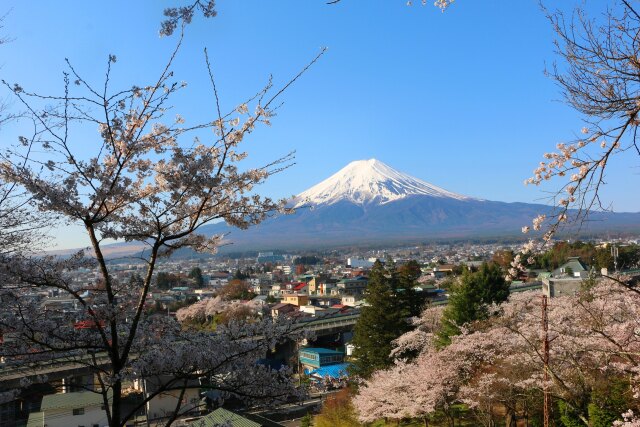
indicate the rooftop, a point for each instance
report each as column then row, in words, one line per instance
column 71, row 400
column 222, row 416
column 319, row 350
column 332, row 371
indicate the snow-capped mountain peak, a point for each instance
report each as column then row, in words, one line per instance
column 369, row 181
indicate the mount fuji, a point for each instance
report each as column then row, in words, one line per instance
column 370, row 202
column 369, row 182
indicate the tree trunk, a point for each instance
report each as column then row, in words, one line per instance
column 116, row 404
column 426, row 421
column 510, row 418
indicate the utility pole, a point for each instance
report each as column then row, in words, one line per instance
column 545, row 359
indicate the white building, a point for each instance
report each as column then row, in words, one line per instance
column 312, row 309
column 360, row 263
column 349, row 300
column 70, row 409
column 163, row 404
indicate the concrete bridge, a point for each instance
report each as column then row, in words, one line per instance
column 64, row 367
column 75, row 372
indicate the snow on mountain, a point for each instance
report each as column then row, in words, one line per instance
column 369, row 182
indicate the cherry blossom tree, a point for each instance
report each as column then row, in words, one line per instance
column 430, row 383
column 442, row 4
column 207, row 309
column 150, row 178
column 629, row 420
column 19, row 226
column 598, row 77
column 387, row 394
column 497, row 363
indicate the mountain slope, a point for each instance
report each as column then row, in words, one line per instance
column 369, row 181
column 370, row 202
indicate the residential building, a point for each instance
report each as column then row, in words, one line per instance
column 70, row 409
column 573, row 268
column 313, row 283
column 325, row 301
column 283, row 309
column 349, row 300
column 315, row 357
column 325, row 288
column 359, row 263
column 295, row 299
column 355, row 286
column 164, row 403
column 312, row 309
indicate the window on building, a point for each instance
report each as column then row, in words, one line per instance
column 78, row 411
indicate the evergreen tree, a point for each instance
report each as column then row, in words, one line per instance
column 166, row 280
column 382, row 321
column 408, row 299
column 492, row 284
column 271, row 299
column 470, row 297
column 239, row 275
column 135, row 279
column 196, row 275
column 610, row 397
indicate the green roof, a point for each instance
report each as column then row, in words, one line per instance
column 36, row 419
column 319, row 350
column 221, row 416
column 574, row 264
column 81, row 399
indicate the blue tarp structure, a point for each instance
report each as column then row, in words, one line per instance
column 332, row 371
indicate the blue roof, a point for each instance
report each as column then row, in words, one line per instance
column 319, row 350
column 331, row 371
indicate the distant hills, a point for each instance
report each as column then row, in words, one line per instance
column 369, row 202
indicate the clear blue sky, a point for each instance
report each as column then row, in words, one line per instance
column 458, row 99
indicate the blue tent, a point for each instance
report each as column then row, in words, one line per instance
column 332, row 371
